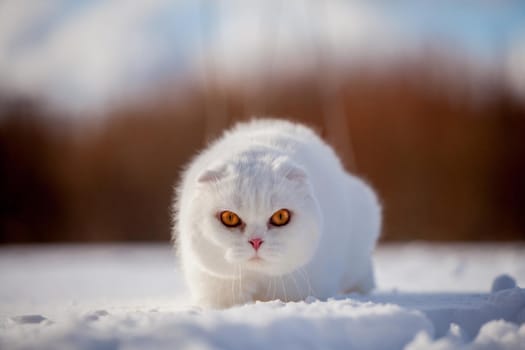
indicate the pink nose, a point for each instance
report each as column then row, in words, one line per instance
column 256, row 243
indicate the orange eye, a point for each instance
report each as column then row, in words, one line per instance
column 230, row 219
column 280, row 217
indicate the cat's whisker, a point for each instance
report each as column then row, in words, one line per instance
column 304, row 275
column 241, row 294
column 238, row 254
column 272, row 254
column 275, row 248
column 239, row 286
column 267, row 295
column 274, row 279
column 311, row 291
column 270, row 258
column 234, row 280
column 284, row 289
column 296, row 285
column 233, row 290
column 272, row 244
column 275, row 254
column 216, row 298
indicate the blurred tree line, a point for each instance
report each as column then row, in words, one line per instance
column 446, row 157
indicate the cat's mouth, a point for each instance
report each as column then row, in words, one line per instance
column 256, row 259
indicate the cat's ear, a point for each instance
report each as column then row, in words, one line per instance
column 213, row 174
column 296, row 174
column 291, row 172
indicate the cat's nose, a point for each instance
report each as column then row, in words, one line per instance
column 256, row 243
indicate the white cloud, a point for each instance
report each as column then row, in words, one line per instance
column 85, row 58
column 293, row 35
column 102, row 50
column 96, row 53
column 14, row 13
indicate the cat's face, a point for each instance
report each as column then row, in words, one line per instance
column 259, row 215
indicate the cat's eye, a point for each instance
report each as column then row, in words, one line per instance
column 280, row 217
column 230, row 219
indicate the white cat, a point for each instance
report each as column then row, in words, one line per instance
column 266, row 212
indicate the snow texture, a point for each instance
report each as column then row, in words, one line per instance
column 131, row 297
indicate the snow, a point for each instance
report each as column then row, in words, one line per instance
column 131, row 297
column 503, row 282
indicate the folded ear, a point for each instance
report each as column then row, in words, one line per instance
column 290, row 171
column 295, row 173
column 213, row 174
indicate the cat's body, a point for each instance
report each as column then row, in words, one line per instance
column 265, row 168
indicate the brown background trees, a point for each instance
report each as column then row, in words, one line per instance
column 447, row 157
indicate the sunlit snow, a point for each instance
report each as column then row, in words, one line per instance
column 132, row 297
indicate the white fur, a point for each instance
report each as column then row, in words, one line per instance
column 254, row 170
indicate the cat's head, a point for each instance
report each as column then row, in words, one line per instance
column 257, row 212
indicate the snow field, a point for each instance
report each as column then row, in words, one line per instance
column 131, row 297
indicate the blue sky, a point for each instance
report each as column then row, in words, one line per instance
column 86, row 52
column 481, row 26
